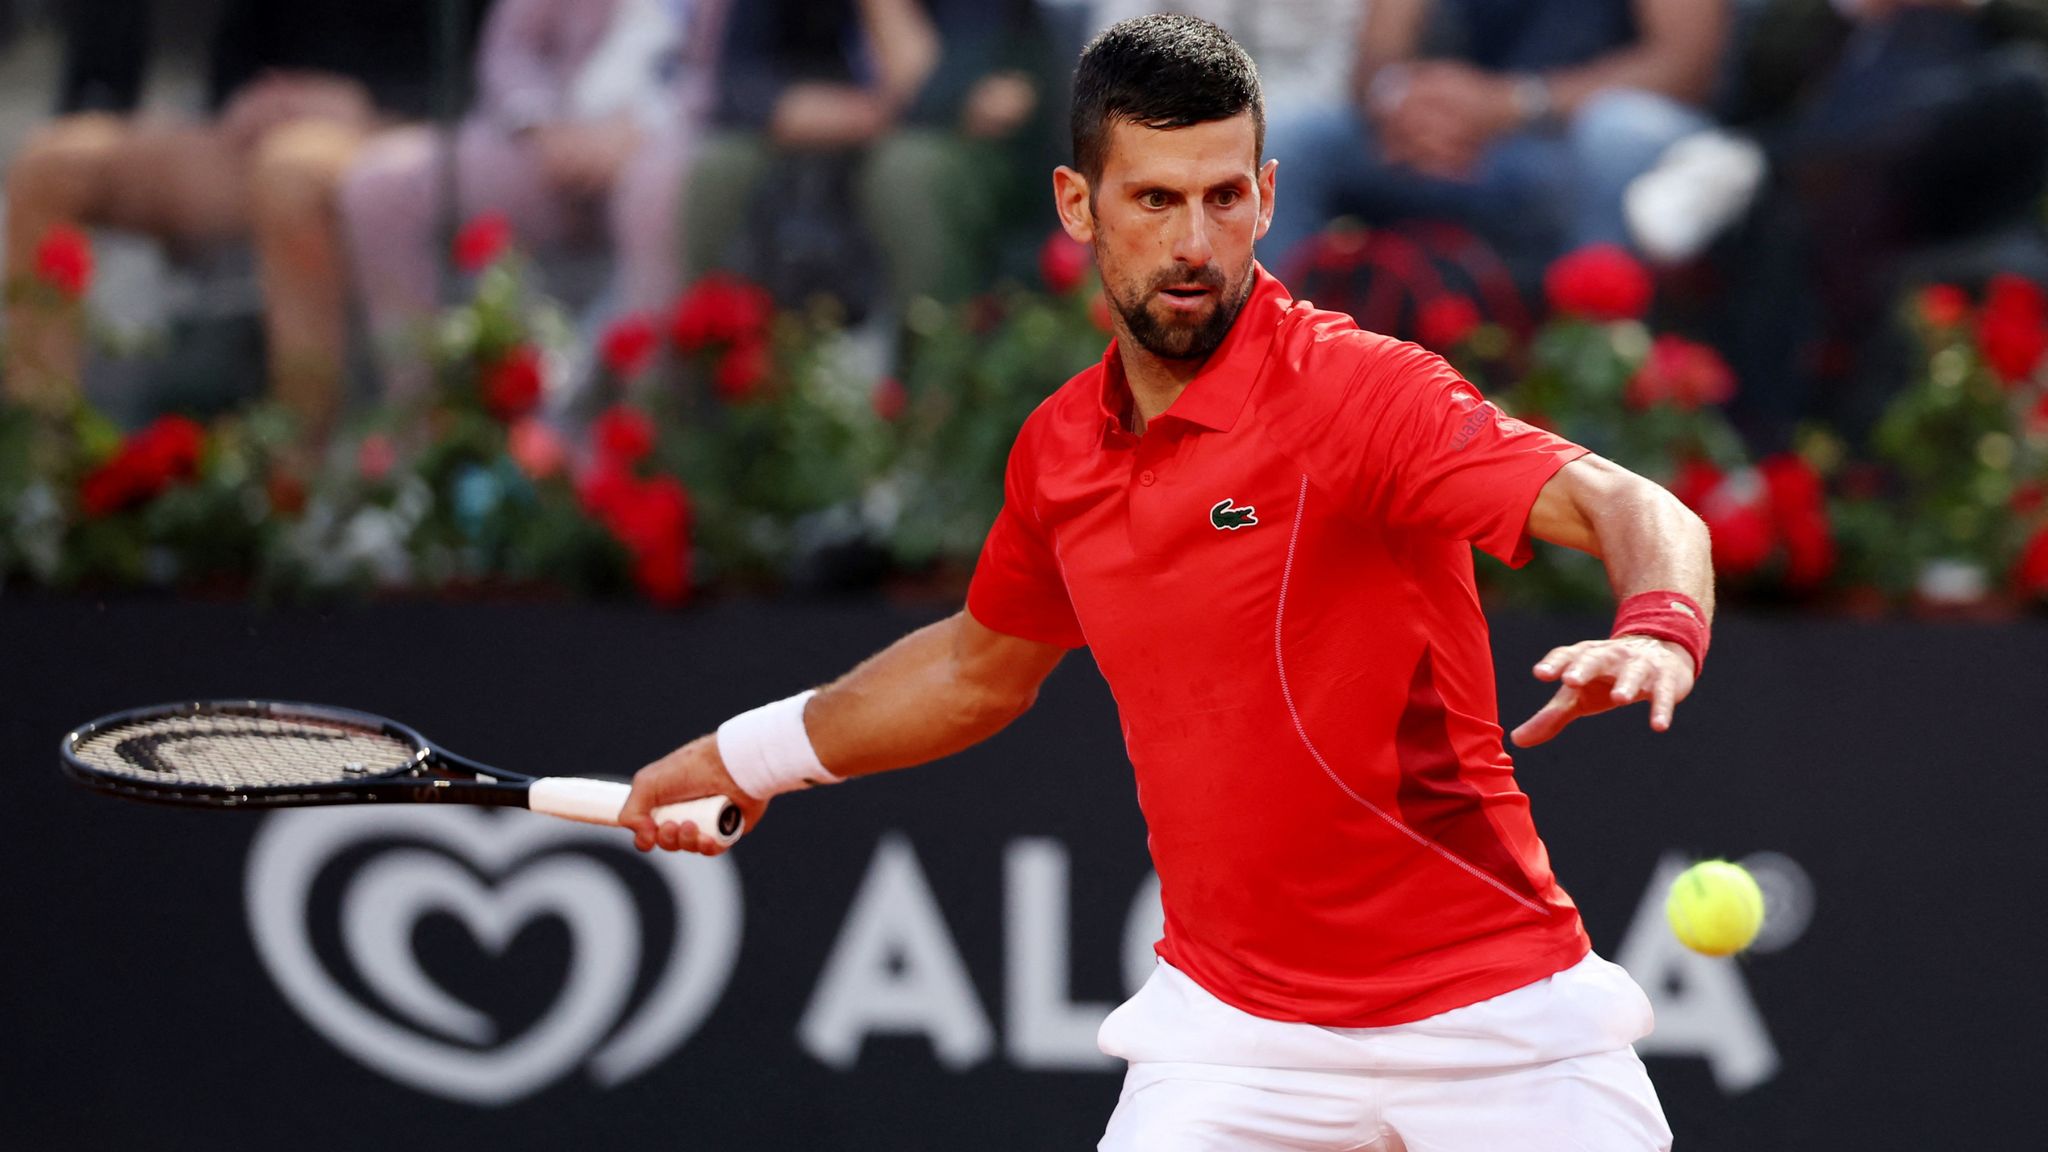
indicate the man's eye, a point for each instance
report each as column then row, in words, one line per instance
column 1226, row 198
column 1153, row 199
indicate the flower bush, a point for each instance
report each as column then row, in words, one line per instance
column 723, row 443
column 1949, row 509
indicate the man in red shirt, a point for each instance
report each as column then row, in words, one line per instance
column 1260, row 519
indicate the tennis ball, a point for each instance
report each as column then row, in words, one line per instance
column 1715, row 907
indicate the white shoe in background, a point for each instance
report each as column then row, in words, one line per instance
column 1701, row 185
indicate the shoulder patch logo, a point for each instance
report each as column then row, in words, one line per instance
column 1227, row 518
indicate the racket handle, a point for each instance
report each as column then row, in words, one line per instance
column 600, row 801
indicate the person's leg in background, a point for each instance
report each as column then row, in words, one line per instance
column 295, row 219
column 646, row 212
column 1614, row 137
column 718, row 197
column 924, row 197
column 1330, row 166
column 1921, row 136
column 178, row 182
column 1324, row 152
column 392, row 211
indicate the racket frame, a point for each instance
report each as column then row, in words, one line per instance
column 434, row 774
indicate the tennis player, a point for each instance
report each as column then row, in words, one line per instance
column 1260, row 520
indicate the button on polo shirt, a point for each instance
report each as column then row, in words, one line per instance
column 1276, row 581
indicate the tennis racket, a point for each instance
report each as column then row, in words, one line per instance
column 269, row 754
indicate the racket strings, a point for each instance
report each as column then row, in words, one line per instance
column 242, row 751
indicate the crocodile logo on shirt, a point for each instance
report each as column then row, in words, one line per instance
column 1223, row 516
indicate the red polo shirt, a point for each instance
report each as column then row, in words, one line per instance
column 1276, row 581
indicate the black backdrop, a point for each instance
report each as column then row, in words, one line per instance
column 1895, row 768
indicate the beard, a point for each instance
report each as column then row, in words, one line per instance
column 1178, row 337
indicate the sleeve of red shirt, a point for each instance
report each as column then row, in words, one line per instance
column 1017, row 588
column 1429, row 453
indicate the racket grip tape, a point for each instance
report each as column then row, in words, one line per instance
column 600, row 801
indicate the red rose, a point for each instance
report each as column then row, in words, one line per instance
column 1696, row 479
column 1445, row 322
column 481, row 241
column 2031, row 574
column 1063, row 262
column 1799, row 512
column 664, row 575
column 376, row 457
column 1737, row 512
column 287, row 492
column 1943, row 306
column 108, row 489
column 741, row 370
column 653, row 521
column 1681, row 373
column 624, row 435
column 890, row 398
column 512, row 383
column 628, row 346
column 536, row 449
column 1601, row 282
column 720, row 309
column 2012, row 330
column 605, row 489
column 64, row 261
column 168, row 449
column 654, row 515
column 164, row 453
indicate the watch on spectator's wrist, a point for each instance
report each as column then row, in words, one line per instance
column 1534, row 105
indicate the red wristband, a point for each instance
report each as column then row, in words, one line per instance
column 1664, row 615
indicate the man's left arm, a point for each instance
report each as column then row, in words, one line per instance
column 1650, row 543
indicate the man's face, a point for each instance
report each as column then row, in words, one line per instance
column 1172, row 222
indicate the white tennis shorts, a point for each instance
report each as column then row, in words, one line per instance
column 1544, row 1068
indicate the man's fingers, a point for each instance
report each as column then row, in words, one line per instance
column 1553, row 663
column 1590, row 665
column 1663, row 701
column 1550, row 719
column 687, row 837
column 1628, row 684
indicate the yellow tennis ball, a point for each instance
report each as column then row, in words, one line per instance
column 1715, row 907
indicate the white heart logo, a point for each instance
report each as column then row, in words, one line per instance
column 389, row 894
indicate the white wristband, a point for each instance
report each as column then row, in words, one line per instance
column 768, row 752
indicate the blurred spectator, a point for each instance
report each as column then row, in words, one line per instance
column 908, row 111
column 1890, row 130
column 586, row 117
column 1522, row 119
column 296, row 88
column 1304, row 48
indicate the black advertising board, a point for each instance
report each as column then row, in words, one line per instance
column 920, row 961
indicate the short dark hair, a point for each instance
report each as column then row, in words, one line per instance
column 1160, row 71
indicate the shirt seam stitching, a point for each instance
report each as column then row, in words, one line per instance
column 1301, row 728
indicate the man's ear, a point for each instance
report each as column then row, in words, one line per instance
column 1070, row 195
column 1268, row 178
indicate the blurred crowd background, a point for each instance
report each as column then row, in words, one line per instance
column 279, row 201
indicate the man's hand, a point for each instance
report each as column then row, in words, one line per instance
column 1442, row 115
column 1598, row 675
column 998, row 105
column 691, row 772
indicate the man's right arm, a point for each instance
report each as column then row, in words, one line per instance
column 938, row 690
